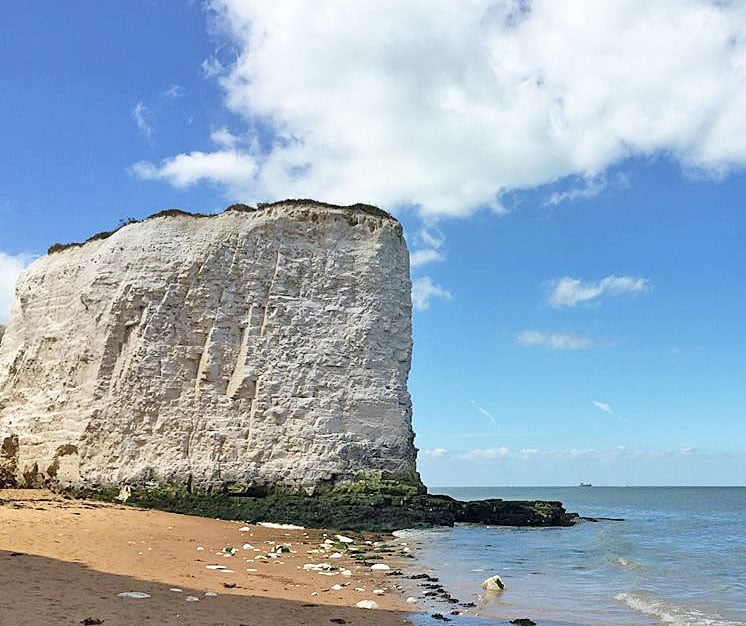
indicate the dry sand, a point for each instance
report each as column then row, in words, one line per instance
column 62, row 561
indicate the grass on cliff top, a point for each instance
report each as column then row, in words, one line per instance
column 242, row 208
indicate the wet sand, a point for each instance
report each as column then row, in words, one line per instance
column 63, row 561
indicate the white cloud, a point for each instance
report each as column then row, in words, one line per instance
column 554, row 341
column 431, row 239
column 449, row 105
column 143, row 119
column 10, row 267
column 602, row 406
column 486, row 454
column 231, row 168
column 423, row 256
column 424, row 290
column 224, row 137
column 590, row 189
column 606, row 408
column 568, row 291
column 174, row 92
column 503, row 452
column 436, row 453
column 212, row 67
column 484, row 412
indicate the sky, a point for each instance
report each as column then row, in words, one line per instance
column 571, row 179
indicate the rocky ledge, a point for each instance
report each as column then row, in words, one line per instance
column 381, row 506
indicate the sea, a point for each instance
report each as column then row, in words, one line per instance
column 678, row 558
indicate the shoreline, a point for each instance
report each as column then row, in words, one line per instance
column 64, row 561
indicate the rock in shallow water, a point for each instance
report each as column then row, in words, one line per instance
column 494, row 583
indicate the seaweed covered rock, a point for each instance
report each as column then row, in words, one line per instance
column 366, row 505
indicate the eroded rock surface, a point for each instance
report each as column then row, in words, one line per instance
column 252, row 348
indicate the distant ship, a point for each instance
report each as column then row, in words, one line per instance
column 585, row 485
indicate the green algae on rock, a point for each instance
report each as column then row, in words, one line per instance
column 380, row 505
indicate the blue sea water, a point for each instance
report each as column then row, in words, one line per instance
column 678, row 558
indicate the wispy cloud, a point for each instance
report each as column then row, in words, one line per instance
column 423, row 256
column 143, row 119
column 484, row 412
column 431, row 241
column 606, row 408
column 424, row 290
column 568, row 291
column 504, row 452
column 485, row 454
column 212, row 67
column 591, row 188
column 554, row 341
column 602, row 406
column 435, row 453
column 173, row 92
column 10, row 268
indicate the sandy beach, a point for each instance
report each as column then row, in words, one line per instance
column 66, row 561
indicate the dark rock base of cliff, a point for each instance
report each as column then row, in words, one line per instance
column 356, row 506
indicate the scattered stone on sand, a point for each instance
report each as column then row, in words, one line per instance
column 210, row 594
column 379, row 567
column 192, row 599
column 134, row 595
column 343, row 539
column 176, row 590
column 91, row 621
column 411, row 600
column 367, row 604
column 494, row 583
column 281, row 526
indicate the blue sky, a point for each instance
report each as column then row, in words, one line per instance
column 574, row 203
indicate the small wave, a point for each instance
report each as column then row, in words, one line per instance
column 670, row 613
column 626, row 563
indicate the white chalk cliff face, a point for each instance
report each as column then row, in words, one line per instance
column 253, row 348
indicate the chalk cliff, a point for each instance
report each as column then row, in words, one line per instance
column 266, row 347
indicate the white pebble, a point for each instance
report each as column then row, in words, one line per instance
column 367, row 604
column 380, row 566
column 134, row 595
column 192, row 599
column 378, row 592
